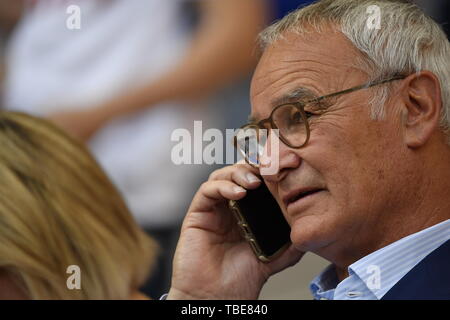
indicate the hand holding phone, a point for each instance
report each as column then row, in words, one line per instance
column 211, row 261
column 262, row 222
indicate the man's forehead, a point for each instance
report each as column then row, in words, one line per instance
column 294, row 52
column 294, row 95
column 296, row 65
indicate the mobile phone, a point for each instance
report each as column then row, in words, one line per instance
column 262, row 222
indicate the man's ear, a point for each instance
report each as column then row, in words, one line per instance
column 422, row 107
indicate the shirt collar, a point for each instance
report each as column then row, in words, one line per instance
column 323, row 286
column 382, row 269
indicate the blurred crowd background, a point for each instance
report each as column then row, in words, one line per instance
column 134, row 71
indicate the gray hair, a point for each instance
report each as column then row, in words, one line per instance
column 404, row 29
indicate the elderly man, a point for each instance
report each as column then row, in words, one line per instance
column 377, row 160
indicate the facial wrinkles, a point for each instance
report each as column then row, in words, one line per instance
column 303, row 70
column 318, row 51
column 343, row 107
column 294, row 73
column 317, row 68
column 274, row 82
column 308, row 176
column 262, row 100
column 333, row 118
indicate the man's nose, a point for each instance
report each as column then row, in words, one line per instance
column 279, row 158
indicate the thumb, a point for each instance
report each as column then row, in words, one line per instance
column 287, row 259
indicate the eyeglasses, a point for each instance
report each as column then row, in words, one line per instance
column 291, row 123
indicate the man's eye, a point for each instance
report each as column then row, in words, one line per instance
column 310, row 114
column 296, row 117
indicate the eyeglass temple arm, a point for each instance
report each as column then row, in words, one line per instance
column 364, row 86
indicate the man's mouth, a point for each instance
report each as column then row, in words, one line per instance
column 300, row 194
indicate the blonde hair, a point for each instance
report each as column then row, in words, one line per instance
column 407, row 41
column 58, row 208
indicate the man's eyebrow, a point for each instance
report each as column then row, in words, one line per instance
column 297, row 94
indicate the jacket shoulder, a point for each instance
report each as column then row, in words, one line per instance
column 428, row 280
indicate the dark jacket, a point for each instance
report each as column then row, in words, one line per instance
column 430, row 279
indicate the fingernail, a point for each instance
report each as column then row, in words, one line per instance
column 238, row 189
column 251, row 178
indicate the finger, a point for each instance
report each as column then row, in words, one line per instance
column 287, row 259
column 212, row 193
column 244, row 175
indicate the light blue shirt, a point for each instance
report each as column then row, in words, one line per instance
column 371, row 277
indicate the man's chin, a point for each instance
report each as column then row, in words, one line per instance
column 308, row 233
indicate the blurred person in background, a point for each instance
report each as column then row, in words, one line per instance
column 439, row 10
column 10, row 13
column 59, row 209
column 124, row 80
column 232, row 102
